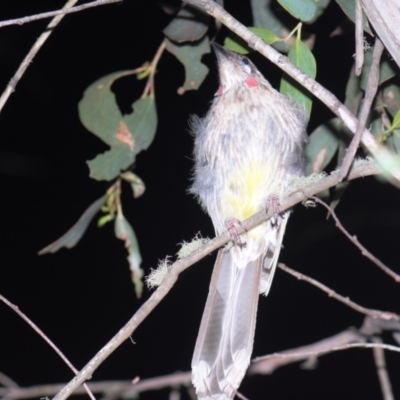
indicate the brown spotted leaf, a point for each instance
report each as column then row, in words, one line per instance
column 126, row 135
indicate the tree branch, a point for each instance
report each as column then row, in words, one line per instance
column 385, row 315
column 59, row 15
column 382, row 154
column 310, row 186
column 62, row 12
column 46, row 339
column 372, row 87
column 355, row 241
column 349, row 338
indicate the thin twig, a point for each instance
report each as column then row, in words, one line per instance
column 298, row 195
column 385, row 315
column 59, row 15
column 150, row 81
column 374, row 147
column 263, row 365
column 372, row 87
column 63, row 11
column 383, row 375
column 6, row 381
column 356, row 242
column 359, row 39
column 46, row 339
column 268, row 364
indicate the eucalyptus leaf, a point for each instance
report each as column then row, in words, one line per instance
column 125, row 232
column 268, row 14
column 301, row 56
column 72, row 237
column 386, row 70
column 303, row 10
column 322, row 146
column 190, row 56
column 190, row 24
column 391, row 98
column 237, row 44
column 126, row 135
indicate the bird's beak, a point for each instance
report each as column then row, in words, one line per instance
column 221, row 53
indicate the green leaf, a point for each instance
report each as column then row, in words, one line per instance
column 267, row 13
column 386, row 70
column 72, row 237
column 301, row 9
column 322, row 146
column 125, row 232
column 190, row 56
column 190, row 24
column 348, row 7
column 302, row 58
column 237, row 44
column 104, row 219
column 396, row 121
column 126, row 135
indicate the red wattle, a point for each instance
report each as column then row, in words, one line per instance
column 251, row 82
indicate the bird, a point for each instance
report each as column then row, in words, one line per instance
column 247, row 150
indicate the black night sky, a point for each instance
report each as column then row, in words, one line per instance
column 81, row 297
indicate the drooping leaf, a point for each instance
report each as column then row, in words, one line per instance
column 303, row 10
column 137, row 184
column 353, row 92
column 189, row 25
column 348, row 7
column 125, row 232
column 322, row 146
column 396, row 120
column 302, row 57
column 391, row 98
column 190, row 56
column 72, row 237
column 386, row 70
column 126, row 135
column 237, row 44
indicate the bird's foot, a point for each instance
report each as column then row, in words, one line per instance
column 274, row 203
column 232, row 224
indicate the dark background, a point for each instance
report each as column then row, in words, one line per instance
column 82, row 297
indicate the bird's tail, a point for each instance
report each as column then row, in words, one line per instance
column 225, row 340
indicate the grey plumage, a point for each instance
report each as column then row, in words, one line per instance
column 247, row 148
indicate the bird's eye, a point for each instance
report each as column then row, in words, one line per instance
column 246, row 65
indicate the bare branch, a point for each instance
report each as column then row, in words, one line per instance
column 298, row 195
column 379, row 357
column 372, row 87
column 59, row 15
column 354, row 240
column 63, row 11
column 264, row 365
column 150, row 81
column 385, row 315
column 374, row 147
column 359, row 38
column 6, row 381
column 268, row 364
column 46, row 339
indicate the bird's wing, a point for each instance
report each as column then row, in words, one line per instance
column 225, row 340
column 271, row 256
